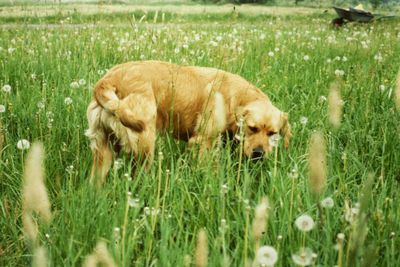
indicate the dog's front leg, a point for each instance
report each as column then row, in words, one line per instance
column 210, row 123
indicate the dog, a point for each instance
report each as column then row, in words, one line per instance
column 135, row 100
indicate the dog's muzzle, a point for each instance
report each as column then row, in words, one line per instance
column 257, row 153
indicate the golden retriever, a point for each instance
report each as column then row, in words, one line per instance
column 136, row 99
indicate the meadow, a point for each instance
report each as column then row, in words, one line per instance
column 153, row 219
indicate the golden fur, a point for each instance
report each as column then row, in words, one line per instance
column 136, row 99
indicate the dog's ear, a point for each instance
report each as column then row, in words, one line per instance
column 286, row 129
column 241, row 113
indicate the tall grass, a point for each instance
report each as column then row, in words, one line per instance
column 155, row 218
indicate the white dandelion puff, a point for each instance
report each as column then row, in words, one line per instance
column 2, row 109
column 303, row 120
column 68, row 101
column 6, row 88
column 82, row 82
column 305, row 223
column 23, row 144
column 339, row 73
column 74, row 84
column 303, row 257
column 266, row 256
column 327, row 203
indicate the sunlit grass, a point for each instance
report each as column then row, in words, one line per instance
column 51, row 71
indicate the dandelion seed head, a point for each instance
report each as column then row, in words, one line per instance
column 327, row 203
column 2, row 109
column 303, row 257
column 74, row 84
column 305, row 223
column 68, row 101
column 6, row 88
column 340, row 236
column 339, row 73
column 303, row 120
column 293, row 174
column 82, row 82
column 266, row 256
column 351, row 214
column 134, row 202
column 23, row 144
column 224, row 189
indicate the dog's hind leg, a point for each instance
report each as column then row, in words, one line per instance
column 140, row 106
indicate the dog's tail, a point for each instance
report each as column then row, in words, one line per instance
column 106, row 95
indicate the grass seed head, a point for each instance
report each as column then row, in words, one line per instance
column 201, row 249
column 90, row 261
column 397, row 92
column 30, row 227
column 1, row 139
column 317, row 164
column 35, row 198
column 40, row 257
column 335, row 105
column 260, row 219
column 100, row 256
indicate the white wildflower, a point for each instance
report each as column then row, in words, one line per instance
column 327, row 203
column 74, row 84
column 266, row 256
column 6, row 88
column 351, row 214
column 305, row 223
column 68, row 101
column 339, row 73
column 23, row 144
column 2, row 108
column 303, row 120
column 303, row 257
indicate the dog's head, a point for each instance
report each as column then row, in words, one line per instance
column 262, row 123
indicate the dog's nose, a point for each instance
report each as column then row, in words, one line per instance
column 258, row 152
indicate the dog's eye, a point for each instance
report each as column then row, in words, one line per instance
column 253, row 129
column 271, row 133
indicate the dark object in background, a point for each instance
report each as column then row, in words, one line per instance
column 353, row 14
column 338, row 22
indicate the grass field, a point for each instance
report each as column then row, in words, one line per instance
column 46, row 76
